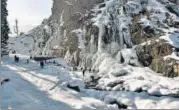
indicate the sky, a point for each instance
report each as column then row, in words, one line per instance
column 29, row 13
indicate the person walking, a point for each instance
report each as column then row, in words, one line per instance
column 41, row 64
column 90, row 70
column 84, row 70
column 16, row 59
column 27, row 61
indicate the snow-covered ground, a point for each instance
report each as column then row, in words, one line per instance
column 135, row 87
column 31, row 86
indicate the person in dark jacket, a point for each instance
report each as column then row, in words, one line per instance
column 27, row 61
column 42, row 64
column 16, row 59
column 84, row 70
column 90, row 70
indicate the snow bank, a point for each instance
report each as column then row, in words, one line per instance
column 135, row 79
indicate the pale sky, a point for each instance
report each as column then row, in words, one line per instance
column 29, row 13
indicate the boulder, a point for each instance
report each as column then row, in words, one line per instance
column 5, row 80
column 149, row 53
column 138, row 90
column 119, row 73
column 145, row 59
column 119, row 104
column 112, row 100
column 115, row 83
column 165, row 67
column 76, row 88
column 149, row 31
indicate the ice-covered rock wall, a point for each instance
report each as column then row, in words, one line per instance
column 83, row 30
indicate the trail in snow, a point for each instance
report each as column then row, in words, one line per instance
column 38, row 88
column 20, row 93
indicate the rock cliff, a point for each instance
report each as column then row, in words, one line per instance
column 133, row 32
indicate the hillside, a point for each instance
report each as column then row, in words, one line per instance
column 148, row 29
column 130, row 49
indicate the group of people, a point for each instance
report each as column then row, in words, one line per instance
column 42, row 63
column 85, row 69
column 50, row 62
column 16, row 59
column 82, row 69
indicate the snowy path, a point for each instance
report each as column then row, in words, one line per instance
column 30, row 86
column 19, row 93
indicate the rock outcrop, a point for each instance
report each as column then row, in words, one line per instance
column 72, row 11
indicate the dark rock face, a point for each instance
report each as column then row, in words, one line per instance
column 76, row 14
column 152, row 56
column 174, row 1
column 166, row 67
column 92, row 83
column 149, row 31
column 72, row 10
column 174, row 9
column 144, row 56
column 148, row 53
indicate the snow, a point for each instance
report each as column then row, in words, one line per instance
column 21, row 44
column 60, row 61
column 135, row 78
column 19, row 93
column 172, row 38
column 46, row 88
column 173, row 56
column 31, row 86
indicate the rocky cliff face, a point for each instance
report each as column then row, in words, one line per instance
column 72, row 10
column 131, row 32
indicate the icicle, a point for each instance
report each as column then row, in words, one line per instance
column 100, row 41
